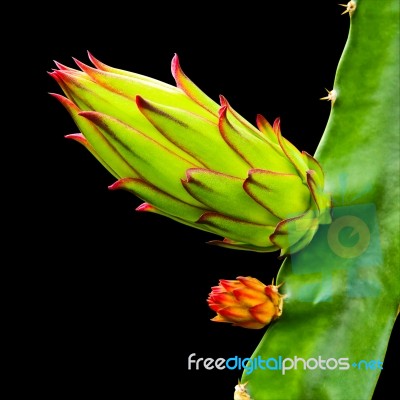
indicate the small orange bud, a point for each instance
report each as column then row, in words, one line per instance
column 245, row 302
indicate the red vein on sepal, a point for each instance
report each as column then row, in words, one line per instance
column 315, row 163
column 70, row 73
column 224, row 125
column 190, row 89
column 85, row 68
column 145, row 105
column 65, row 101
column 266, row 129
column 66, row 79
column 99, row 119
column 224, row 102
column 312, row 186
column 310, row 222
column 58, row 96
column 251, row 181
column 204, row 218
column 277, row 126
column 222, row 110
column 261, row 122
column 75, row 111
column 96, row 117
column 284, row 144
column 56, row 76
column 229, row 244
column 190, row 171
column 278, row 231
column 73, row 76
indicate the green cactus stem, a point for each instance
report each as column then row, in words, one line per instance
column 343, row 290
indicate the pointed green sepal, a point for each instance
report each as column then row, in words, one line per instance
column 290, row 231
column 191, row 90
column 265, row 127
column 257, row 153
column 159, row 199
column 284, row 195
column 301, row 243
column 314, row 165
column 155, row 163
column 224, row 194
column 100, row 147
column 147, row 207
column 321, row 199
column 237, row 121
column 143, row 78
column 195, row 135
column 231, row 244
column 292, row 153
column 254, row 234
column 132, row 86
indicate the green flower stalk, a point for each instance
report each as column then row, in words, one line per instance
column 196, row 161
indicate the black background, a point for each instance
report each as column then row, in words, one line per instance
column 120, row 296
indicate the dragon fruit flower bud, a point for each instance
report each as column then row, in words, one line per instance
column 195, row 161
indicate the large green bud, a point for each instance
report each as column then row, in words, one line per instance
column 196, row 161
